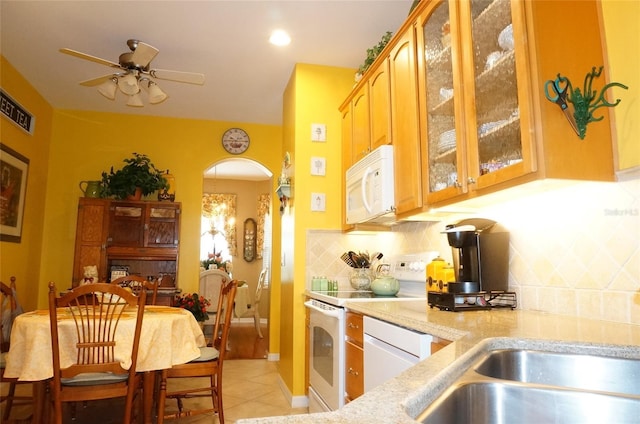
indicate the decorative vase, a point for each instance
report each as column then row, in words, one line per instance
column 361, row 278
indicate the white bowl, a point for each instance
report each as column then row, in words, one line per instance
column 505, row 39
column 492, row 59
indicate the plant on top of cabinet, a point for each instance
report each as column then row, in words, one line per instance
column 138, row 173
column 373, row 52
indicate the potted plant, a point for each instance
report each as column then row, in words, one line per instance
column 139, row 177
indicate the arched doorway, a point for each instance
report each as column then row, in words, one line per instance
column 246, row 185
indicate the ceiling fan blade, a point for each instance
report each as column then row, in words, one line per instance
column 188, row 77
column 97, row 81
column 143, row 54
column 89, row 57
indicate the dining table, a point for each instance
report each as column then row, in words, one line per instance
column 169, row 336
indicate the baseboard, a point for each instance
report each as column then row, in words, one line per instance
column 273, row 357
column 249, row 320
column 294, row 401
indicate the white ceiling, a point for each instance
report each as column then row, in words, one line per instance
column 227, row 41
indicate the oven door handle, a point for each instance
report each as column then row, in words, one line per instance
column 333, row 312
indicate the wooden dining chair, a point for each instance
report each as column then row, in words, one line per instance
column 253, row 310
column 9, row 308
column 136, row 283
column 208, row 364
column 95, row 371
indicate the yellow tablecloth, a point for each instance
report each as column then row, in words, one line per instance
column 169, row 336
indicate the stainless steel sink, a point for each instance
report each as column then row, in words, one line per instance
column 587, row 372
column 527, row 386
column 498, row 403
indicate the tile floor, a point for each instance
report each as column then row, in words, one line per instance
column 250, row 390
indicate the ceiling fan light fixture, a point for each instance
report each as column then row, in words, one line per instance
column 135, row 100
column 108, row 88
column 129, row 84
column 156, row 95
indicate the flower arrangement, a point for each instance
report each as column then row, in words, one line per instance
column 195, row 304
column 215, row 261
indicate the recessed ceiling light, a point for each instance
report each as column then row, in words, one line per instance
column 279, row 38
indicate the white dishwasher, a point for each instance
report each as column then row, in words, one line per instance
column 390, row 349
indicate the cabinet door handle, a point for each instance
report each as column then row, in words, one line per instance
column 471, row 180
column 353, row 372
column 352, row 325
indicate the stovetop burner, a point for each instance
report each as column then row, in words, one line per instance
column 457, row 302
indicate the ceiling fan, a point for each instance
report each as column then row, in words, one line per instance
column 133, row 72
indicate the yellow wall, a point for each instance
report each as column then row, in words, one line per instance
column 621, row 19
column 312, row 96
column 86, row 143
column 23, row 260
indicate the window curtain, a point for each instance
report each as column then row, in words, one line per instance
column 222, row 206
column 264, row 206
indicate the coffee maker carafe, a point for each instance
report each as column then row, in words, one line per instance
column 480, row 250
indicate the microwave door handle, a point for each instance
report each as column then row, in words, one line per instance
column 364, row 180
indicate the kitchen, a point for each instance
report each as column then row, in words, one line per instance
column 563, row 238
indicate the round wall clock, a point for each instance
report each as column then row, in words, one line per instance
column 235, row 141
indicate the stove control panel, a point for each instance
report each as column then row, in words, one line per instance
column 412, row 266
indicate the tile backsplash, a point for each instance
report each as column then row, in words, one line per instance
column 574, row 250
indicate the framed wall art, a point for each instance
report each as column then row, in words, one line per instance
column 13, row 189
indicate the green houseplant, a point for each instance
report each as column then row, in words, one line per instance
column 373, row 52
column 138, row 173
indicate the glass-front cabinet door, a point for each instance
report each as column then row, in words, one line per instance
column 439, row 86
column 497, row 149
column 472, row 74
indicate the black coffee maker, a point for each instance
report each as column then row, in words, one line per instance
column 480, row 256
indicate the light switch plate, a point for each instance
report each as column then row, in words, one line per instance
column 318, row 132
column 318, row 202
column 318, row 166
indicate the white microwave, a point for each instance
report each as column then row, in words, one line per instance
column 369, row 188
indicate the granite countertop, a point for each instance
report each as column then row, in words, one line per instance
column 472, row 333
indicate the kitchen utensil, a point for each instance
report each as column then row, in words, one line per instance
column 385, row 286
column 556, row 91
column 354, row 258
column 346, row 258
column 363, row 260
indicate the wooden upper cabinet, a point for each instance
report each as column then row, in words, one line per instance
column 361, row 135
column 467, row 109
column 379, row 102
column 91, row 237
column 162, row 225
column 347, row 160
column 404, row 122
column 143, row 224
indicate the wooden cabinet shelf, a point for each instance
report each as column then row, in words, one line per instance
column 142, row 237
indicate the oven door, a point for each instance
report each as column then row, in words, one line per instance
column 326, row 352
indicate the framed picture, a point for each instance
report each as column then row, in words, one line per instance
column 13, row 189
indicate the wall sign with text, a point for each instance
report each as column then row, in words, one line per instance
column 14, row 112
